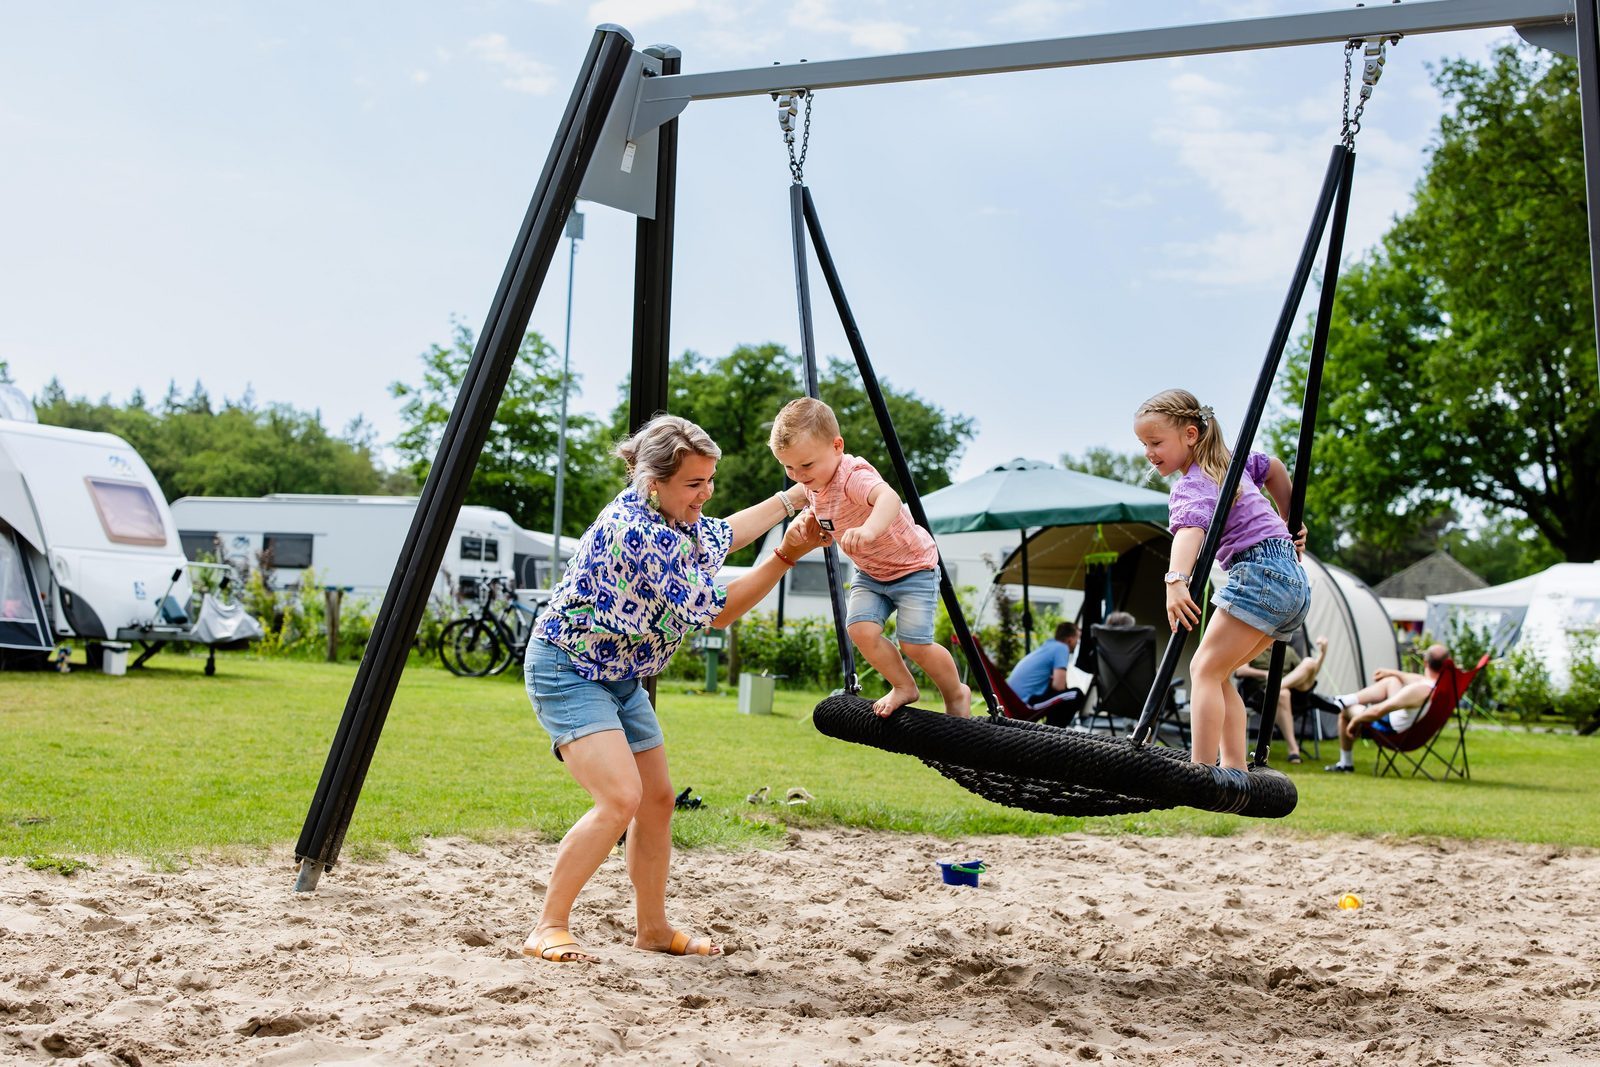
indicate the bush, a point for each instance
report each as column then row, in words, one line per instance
column 1522, row 684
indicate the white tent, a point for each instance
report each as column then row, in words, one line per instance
column 1543, row 612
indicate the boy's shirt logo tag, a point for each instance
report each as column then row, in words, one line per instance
column 826, row 524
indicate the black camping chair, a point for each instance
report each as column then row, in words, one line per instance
column 1124, row 670
column 1306, row 708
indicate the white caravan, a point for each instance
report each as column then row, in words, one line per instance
column 351, row 542
column 88, row 547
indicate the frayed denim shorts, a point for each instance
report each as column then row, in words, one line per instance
column 571, row 706
column 911, row 600
column 1267, row 588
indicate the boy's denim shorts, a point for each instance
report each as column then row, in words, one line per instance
column 910, row 599
column 571, row 706
column 1267, row 589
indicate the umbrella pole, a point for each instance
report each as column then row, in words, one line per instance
column 1027, row 608
column 891, row 440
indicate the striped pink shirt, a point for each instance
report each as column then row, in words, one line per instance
column 841, row 505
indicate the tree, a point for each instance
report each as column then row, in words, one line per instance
column 5, row 373
column 1102, row 462
column 516, row 472
column 1461, row 365
column 735, row 398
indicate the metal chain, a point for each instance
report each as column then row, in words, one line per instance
column 1374, row 53
column 788, row 109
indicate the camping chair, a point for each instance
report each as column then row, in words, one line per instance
column 1057, row 711
column 1124, row 670
column 1427, row 731
column 1307, row 709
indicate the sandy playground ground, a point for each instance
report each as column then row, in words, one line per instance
column 844, row 947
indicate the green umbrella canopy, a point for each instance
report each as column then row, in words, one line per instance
column 1026, row 493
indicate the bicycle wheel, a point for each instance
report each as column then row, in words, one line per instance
column 470, row 647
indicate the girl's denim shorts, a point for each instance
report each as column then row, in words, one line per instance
column 571, row 706
column 1267, row 589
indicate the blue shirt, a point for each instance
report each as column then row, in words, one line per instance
column 636, row 586
column 1031, row 677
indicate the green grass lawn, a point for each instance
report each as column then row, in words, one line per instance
column 164, row 762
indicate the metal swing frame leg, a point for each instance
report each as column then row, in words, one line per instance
column 350, row 755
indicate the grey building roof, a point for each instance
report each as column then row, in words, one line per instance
column 1431, row 575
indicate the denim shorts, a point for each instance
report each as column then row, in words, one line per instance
column 1267, row 589
column 910, row 599
column 571, row 706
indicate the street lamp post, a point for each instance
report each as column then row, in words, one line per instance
column 575, row 232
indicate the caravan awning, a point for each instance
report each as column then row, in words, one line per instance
column 16, row 505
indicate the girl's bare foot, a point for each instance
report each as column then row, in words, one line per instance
column 961, row 706
column 897, row 697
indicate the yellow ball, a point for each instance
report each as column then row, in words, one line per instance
column 1349, row 902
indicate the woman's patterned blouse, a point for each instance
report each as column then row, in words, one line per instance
column 636, row 586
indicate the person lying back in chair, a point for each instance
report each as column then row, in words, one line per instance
column 1393, row 697
column 1299, row 675
column 1042, row 673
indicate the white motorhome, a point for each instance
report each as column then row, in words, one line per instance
column 88, row 547
column 351, row 542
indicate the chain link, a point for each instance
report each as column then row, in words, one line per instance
column 787, row 111
column 1374, row 50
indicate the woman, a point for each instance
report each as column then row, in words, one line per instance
column 639, row 582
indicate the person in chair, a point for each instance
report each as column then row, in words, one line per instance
column 1042, row 673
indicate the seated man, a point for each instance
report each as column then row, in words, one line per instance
column 1042, row 673
column 1299, row 676
column 1393, row 700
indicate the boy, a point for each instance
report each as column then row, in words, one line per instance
column 896, row 560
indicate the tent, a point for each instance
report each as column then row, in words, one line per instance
column 1543, row 612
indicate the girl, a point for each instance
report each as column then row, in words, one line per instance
column 1267, row 595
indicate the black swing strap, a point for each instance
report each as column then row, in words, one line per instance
column 1308, row 427
column 891, row 441
column 1247, row 434
column 808, row 353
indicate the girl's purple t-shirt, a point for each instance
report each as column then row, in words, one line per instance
column 1251, row 520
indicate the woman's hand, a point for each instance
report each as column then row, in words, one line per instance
column 803, row 535
column 1181, row 607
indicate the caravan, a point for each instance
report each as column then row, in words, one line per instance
column 351, row 542
column 88, row 547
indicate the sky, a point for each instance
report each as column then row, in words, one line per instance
column 297, row 199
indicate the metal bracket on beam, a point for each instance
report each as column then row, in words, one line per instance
column 1552, row 37
column 622, row 173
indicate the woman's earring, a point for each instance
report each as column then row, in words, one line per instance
column 654, row 499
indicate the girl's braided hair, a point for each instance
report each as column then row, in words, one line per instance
column 1182, row 408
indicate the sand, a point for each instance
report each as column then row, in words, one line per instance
column 844, row 947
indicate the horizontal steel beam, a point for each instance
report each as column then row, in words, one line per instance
column 663, row 98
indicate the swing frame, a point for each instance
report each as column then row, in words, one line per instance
column 617, row 144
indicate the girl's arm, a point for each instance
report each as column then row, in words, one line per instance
column 1280, row 489
column 746, row 591
column 760, row 517
column 1181, row 607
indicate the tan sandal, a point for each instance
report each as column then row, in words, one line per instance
column 558, row 946
column 681, row 945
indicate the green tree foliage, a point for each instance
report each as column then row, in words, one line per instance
column 516, row 472
column 5, row 373
column 1502, row 549
column 198, row 448
column 736, row 397
column 1461, row 362
column 1102, row 462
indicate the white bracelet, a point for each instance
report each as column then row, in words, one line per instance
column 788, row 507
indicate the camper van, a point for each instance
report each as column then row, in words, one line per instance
column 348, row 541
column 88, row 547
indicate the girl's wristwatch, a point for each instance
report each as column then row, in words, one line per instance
column 1175, row 576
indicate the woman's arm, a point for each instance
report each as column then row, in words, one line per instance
column 760, row 517
column 746, row 591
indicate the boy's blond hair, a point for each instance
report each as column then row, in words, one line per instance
column 805, row 417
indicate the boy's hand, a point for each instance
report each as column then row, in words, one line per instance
column 803, row 535
column 1181, row 607
column 853, row 541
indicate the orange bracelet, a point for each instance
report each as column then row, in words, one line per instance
column 785, row 560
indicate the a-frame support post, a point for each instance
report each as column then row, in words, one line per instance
column 652, row 274
column 1588, row 12
column 433, row 524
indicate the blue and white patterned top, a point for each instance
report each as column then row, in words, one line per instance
column 636, row 586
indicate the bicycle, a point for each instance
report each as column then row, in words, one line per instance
column 487, row 641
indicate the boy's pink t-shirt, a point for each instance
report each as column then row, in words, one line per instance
column 841, row 505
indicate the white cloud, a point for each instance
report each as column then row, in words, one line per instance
column 631, row 13
column 421, row 77
column 523, row 74
column 882, row 35
column 1036, row 16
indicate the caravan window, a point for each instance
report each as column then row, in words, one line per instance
column 288, row 550
column 810, row 577
column 491, row 550
column 128, row 512
column 472, row 548
column 200, row 542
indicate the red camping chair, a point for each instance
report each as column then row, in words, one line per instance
column 1062, row 706
column 1427, row 731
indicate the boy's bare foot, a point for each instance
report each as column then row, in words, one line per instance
column 897, row 697
column 961, row 706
